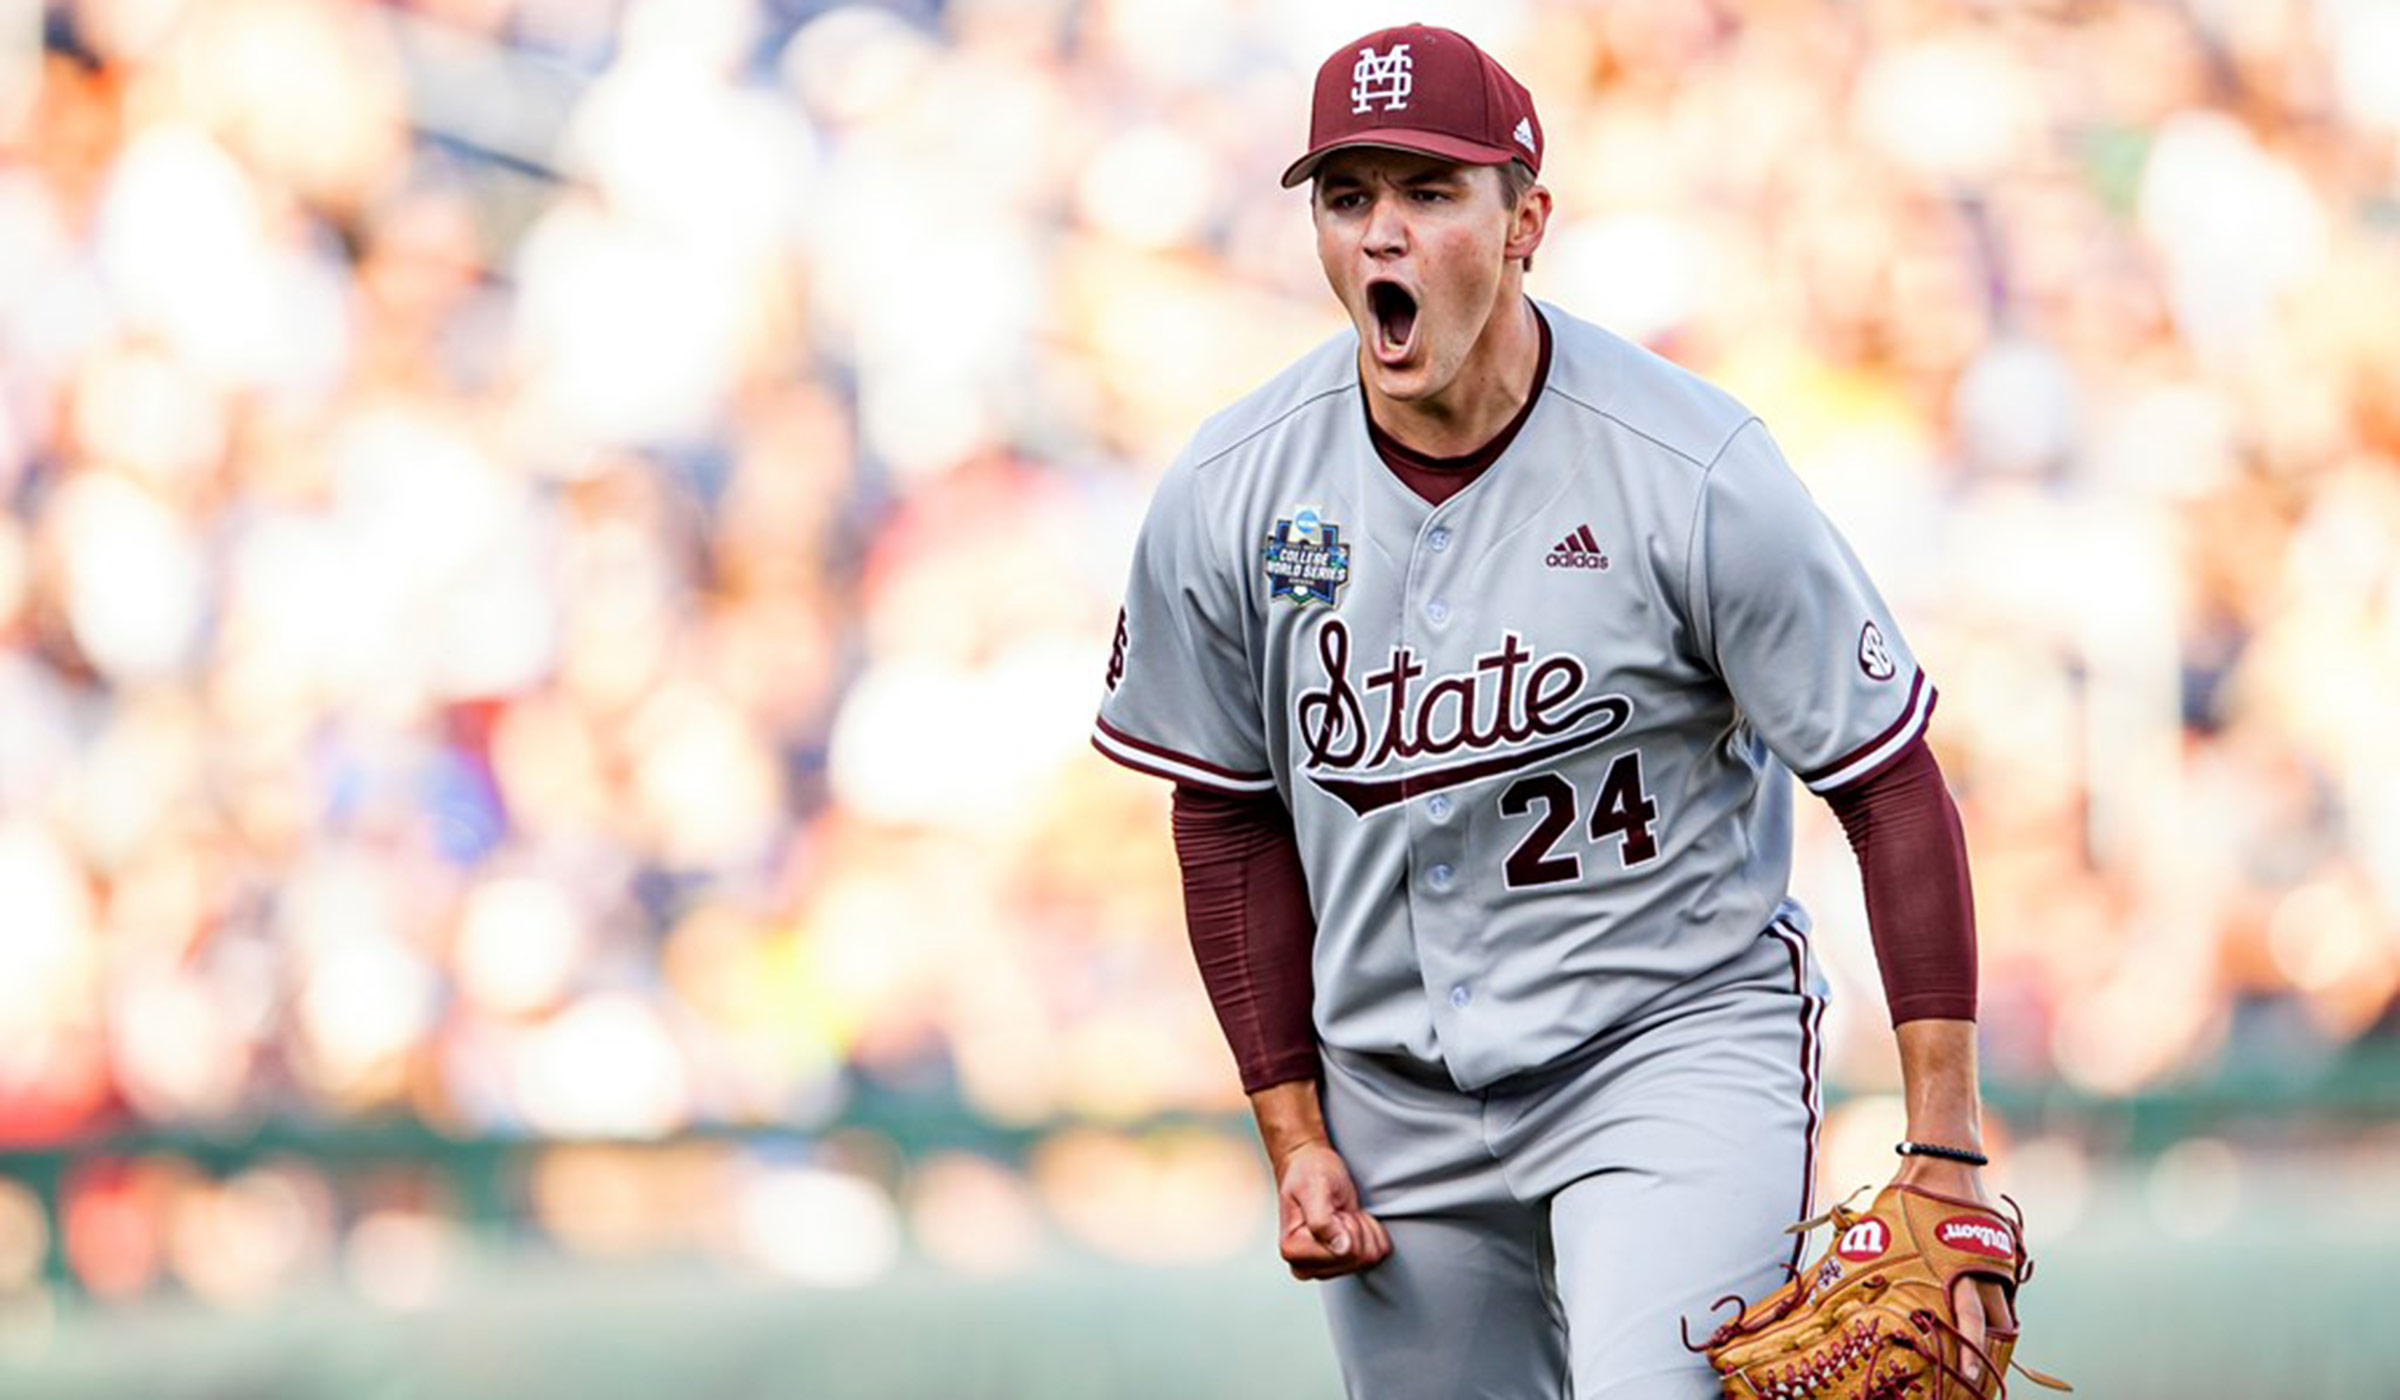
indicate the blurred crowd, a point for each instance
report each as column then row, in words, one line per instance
column 560, row 553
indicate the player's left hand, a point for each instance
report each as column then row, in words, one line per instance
column 1978, row 1306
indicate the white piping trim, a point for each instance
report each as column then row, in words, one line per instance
column 1160, row 766
column 1816, row 1097
column 1873, row 758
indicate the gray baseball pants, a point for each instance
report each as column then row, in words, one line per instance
column 1550, row 1233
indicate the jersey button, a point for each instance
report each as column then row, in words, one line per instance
column 1438, row 807
column 1460, row 996
column 1439, row 877
column 1437, row 612
column 1438, row 538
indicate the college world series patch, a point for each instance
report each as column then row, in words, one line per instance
column 1306, row 560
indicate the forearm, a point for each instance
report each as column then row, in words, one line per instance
column 1920, row 909
column 1912, row 862
column 1290, row 1117
column 1938, row 1080
column 1245, row 904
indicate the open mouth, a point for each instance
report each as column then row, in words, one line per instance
column 1395, row 311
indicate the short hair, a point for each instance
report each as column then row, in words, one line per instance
column 1516, row 180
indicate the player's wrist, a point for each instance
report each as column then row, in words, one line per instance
column 1941, row 1177
column 1964, row 1149
column 1291, row 1120
column 1281, row 1159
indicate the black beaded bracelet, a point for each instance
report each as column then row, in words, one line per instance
column 1948, row 1154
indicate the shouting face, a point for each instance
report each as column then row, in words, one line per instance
column 1424, row 255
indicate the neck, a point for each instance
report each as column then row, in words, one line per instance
column 1487, row 392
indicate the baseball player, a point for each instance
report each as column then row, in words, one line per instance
column 1481, row 645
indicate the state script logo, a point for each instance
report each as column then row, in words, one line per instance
column 1511, row 709
column 1388, row 76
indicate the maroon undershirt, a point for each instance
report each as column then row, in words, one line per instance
column 1437, row 479
column 1245, row 896
column 1245, row 904
column 1912, row 859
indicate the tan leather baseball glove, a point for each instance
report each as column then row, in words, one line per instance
column 1871, row 1319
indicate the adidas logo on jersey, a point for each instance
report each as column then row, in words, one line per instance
column 1577, row 551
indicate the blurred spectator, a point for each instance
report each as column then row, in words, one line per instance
column 558, row 559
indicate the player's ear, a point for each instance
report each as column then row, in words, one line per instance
column 1528, row 224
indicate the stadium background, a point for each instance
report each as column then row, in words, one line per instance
column 560, row 553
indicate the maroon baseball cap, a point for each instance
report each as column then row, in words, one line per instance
column 1418, row 88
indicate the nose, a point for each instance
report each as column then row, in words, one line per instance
column 1387, row 228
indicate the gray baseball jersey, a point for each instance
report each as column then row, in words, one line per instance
column 1534, row 740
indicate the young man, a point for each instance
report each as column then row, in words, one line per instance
column 1480, row 644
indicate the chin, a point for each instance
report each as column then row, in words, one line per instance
column 1405, row 383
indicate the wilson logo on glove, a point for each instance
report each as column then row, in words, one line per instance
column 1985, row 1237
column 1866, row 1240
column 1885, row 1330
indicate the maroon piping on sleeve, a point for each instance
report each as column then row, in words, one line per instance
column 1812, row 1058
column 1130, row 750
column 1908, row 712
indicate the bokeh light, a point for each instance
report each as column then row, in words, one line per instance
column 558, row 559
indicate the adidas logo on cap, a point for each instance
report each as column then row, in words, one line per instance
column 1577, row 551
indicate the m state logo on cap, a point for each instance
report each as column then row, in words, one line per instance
column 1389, row 76
column 1467, row 108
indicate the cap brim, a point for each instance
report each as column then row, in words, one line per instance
column 1401, row 138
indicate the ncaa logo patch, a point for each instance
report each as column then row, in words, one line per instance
column 1866, row 1240
column 1305, row 559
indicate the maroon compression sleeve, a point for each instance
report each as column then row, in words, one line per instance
column 1912, row 857
column 1245, row 904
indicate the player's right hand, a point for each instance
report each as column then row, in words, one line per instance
column 1322, row 1231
